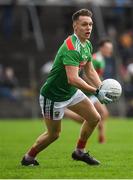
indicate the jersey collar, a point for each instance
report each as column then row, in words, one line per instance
column 83, row 45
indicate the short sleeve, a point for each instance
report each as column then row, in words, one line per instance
column 71, row 58
column 96, row 63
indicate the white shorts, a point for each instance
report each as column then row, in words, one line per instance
column 93, row 99
column 55, row 110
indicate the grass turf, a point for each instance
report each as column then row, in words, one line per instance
column 116, row 155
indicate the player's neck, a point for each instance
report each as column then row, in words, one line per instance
column 82, row 41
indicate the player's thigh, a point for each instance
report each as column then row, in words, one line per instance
column 53, row 127
column 72, row 115
column 102, row 109
column 85, row 109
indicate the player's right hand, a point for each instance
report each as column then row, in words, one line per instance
column 102, row 96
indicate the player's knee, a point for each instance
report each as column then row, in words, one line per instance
column 104, row 114
column 94, row 120
column 97, row 118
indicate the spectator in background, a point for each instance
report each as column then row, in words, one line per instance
column 45, row 69
column 130, row 71
column 130, row 89
column 2, row 92
column 8, row 84
column 129, row 80
column 10, row 79
column 126, row 47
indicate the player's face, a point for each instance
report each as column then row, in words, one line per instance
column 83, row 27
column 107, row 49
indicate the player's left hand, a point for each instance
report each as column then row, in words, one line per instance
column 102, row 96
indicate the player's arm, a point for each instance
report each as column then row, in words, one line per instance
column 91, row 75
column 72, row 68
column 75, row 80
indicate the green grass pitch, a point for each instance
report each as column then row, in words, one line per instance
column 116, row 155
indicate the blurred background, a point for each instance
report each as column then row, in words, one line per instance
column 31, row 32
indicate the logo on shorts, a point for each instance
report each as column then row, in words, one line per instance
column 56, row 113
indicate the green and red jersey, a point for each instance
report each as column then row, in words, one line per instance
column 71, row 53
column 98, row 63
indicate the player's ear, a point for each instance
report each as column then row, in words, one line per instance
column 74, row 25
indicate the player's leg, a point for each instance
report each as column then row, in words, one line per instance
column 73, row 116
column 53, row 125
column 101, row 108
column 88, row 112
column 52, row 133
column 103, row 111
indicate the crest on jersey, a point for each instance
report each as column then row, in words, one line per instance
column 56, row 113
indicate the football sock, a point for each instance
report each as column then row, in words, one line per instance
column 29, row 158
column 80, row 146
column 101, row 139
column 31, row 154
